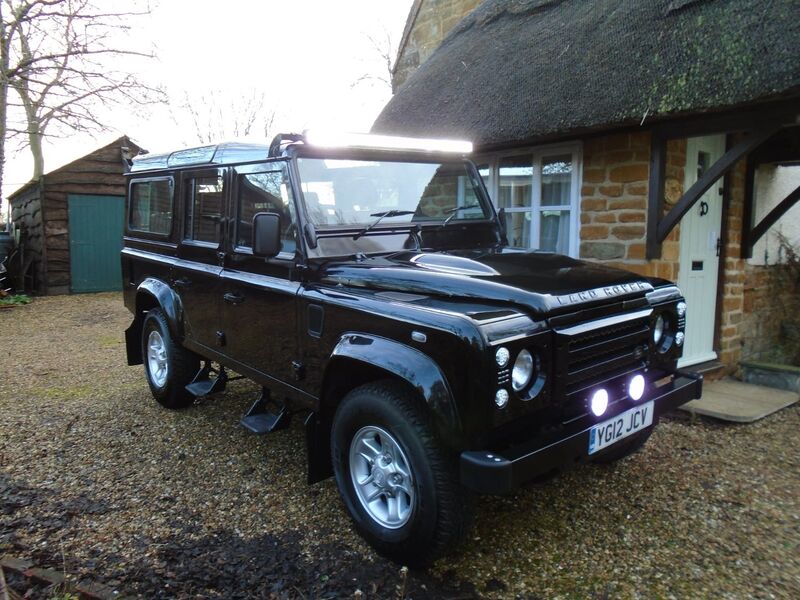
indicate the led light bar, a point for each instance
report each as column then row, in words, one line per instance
column 329, row 139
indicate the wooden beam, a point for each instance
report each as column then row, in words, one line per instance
column 753, row 140
column 775, row 214
column 748, row 209
column 785, row 113
column 655, row 193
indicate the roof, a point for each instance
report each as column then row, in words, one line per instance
column 122, row 142
column 216, row 154
column 526, row 70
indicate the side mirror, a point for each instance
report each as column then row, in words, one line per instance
column 266, row 234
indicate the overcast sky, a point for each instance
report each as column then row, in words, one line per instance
column 305, row 55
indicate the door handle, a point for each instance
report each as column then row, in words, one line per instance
column 182, row 282
column 232, row 298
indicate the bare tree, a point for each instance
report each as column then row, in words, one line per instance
column 218, row 115
column 383, row 47
column 59, row 57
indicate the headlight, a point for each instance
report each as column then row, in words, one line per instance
column 522, row 372
column 658, row 330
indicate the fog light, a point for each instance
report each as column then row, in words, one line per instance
column 599, row 402
column 679, row 338
column 502, row 356
column 636, row 387
column 501, row 398
column 681, row 308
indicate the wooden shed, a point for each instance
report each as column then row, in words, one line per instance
column 70, row 223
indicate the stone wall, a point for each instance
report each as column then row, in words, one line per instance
column 429, row 23
column 731, row 313
column 614, row 202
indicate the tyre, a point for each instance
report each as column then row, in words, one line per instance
column 624, row 448
column 398, row 482
column 168, row 366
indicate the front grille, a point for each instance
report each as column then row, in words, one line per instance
column 588, row 354
column 503, row 377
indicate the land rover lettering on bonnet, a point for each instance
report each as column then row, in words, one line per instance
column 366, row 285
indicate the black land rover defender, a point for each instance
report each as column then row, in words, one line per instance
column 367, row 285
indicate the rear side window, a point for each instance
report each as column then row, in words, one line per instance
column 204, row 209
column 151, row 206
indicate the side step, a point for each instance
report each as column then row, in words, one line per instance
column 259, row 419
column 203, row 385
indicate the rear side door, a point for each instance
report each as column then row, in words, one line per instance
column 259, row 295
column 196, row 274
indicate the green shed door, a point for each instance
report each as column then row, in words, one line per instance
column 95, row 241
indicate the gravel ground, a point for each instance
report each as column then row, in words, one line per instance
column 100, row 482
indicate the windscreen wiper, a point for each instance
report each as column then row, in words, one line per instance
column 381, row 216
column 454, row 211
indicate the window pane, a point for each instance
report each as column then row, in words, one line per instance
column 204, row 209
column 556, row 180
column 516, row 186
column 265, row 192
column 151, row 206
column 518, row 229
column 554, row 231
column 485, row 172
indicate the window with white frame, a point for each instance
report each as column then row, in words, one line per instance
column 539, row 190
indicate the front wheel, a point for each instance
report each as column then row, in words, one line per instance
column 398, row 482
column 168, row 366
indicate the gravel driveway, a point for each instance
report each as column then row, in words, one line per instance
column 99, row 481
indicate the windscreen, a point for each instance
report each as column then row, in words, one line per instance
column 341, row 193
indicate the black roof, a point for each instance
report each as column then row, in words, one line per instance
column 527, row 70
column 215, row 154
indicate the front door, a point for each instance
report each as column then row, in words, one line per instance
column 259, row 295
column 196, row 273
column 699, row 252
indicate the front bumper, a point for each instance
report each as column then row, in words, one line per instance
column 490, row 472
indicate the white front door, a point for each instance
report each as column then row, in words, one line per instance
column 699, row 252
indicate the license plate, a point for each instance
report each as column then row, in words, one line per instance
column 617, row 428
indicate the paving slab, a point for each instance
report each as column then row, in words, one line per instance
column 739, row 402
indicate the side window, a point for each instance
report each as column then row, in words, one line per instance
column 267, row 191
column 151, row 206
column 204, row 208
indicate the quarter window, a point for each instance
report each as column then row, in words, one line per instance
column 204, row 207
column 265, row 192
column 151, row 206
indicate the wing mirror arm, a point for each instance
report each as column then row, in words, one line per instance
column 501, row 224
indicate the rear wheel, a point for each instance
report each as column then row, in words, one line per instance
column 168, row 366
column 398, row 482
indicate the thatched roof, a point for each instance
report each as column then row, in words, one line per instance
column 526, row 70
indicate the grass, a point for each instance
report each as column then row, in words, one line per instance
column 15, row 300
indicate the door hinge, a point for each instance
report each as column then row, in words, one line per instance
column 719, row 245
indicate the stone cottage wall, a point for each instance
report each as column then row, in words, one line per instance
column 432, row 22
column 614, row 202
